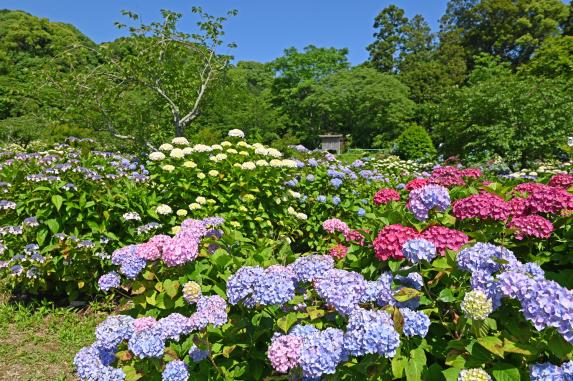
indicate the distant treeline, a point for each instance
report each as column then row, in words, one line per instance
column 495, row 81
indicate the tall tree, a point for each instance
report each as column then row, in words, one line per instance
column 509, row 29
column 388, row 38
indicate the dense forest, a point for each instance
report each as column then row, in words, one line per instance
column 496, row 81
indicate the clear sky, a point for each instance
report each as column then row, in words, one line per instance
column 262, row 30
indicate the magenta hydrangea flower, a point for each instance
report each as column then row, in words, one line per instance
column 385, row 195
column 445, row 238
column 482, row 206
column 531, row 226
column 335, row 225
column 339, row 251
column 390, row 240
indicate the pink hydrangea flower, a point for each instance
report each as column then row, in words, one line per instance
column 529, row 187
column 445, row 238
column 416, row 183
column 339, row 251
column 550, row 200
column 482, row 206
column 354, row 236
column 335, row 225
column 180, row 251
column 284, row 352
column 473, row 173
column 148, row 251
column 388, row 244
column 160, row 241
column 141, row 324
column 562, row 180
column 447, row 177
column 385, row 195
column 531, row 226
column 518, row 206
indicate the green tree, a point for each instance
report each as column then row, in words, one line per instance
column 511, row 30
column 388, row 38
column 553, row 59
column 414, row 143
column 361, row 102
column 519, row 118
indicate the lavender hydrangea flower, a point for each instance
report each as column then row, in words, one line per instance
column 175, row 370
column 240, row 285
column 147, row 344
column 321, row 198
column 108, row 281
column 341, row 289
column 196, row 354
column 415, row 323
column 336, row 200
column 371, row 332
column 306, row 269
column 417, row 250
column 210, row 310
column 274, row 286
column 93, row 364
column 486, row 257
column 112, row 331
column 426, row 198
column 321, row 352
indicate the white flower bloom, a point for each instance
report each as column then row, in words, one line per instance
column 288, row 163
column 194, row 206
column 165, row 147
column 180, row 141
column 168, row 168
column 187, row 150
column 262, row 163
column 202, row 148
column 177, row 153
column 274, row 152
column 163, row 209
column 257, row 145
column 295, row 194
column 237, row 165
column 243, row 144
column 201, row 175
column 217, row 147
column 248, row 165
column 301, row 216
column 275, row 163
column 156, row 156
column 189, row 164
column 236, row 133
column 181, row 212
column 201, row 200
column 131, row 216
column 226, row 144
column 244, row 153
column 232, row 150
column 213, row 173
column 261, row 151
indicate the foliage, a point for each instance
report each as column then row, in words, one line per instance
column 554, row 58
column 415, row 143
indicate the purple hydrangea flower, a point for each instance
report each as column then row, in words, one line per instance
column 196, row 354
column 371, row 332
column 417, row 250
column 147, row 344
column 340, row 288
column 175, row 370
column 415, row 323
column 307, row 268
column 108, row 281
column 426, row 198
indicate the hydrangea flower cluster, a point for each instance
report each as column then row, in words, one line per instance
column 474, row 374
column 476, row 305
column 445, row 238
column 390, row 240
column 417, row 250
column 338, row 252
column 415, row 184
column 335, row 225
column 547, row 371
column 482, row 206
column 416, row 323
column 146, row 338
column 562, row 180
column 385, row 195
column 340, row 288
column 371, row 332
column 255, row 285
column 531, row 226
column 427, row 198
column 284, row 352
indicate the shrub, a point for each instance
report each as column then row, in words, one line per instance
column 414, row 144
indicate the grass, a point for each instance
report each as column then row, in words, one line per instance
column 39, row 342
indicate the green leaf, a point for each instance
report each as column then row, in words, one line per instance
column 57, row 200
column 171, row 287
column 405, row 294
column 559, row 346
column 53, row 225
column 451, row 374
column 505, row 372
column 398, row 366
column 287, row 321
column 492, row 344
column 416, row 365
column 131, row 374
column 446, row 295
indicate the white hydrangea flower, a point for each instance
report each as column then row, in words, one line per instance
column 202, row 148
column 243, row 144
column 217, row 147
column 187, row 150
column 181, row 212
column 226, row 144
column 180, row 141
column 276, row 163
column 201, row 175
column 177, row 153
column 475, row 374
column 244, row 153
column 274, row 152
column 301, row 216
column 213, row 173
column 189, row 164
column 232, row 150
column 163, row 209
column 236, row 133
column 156, row 156
column 262, row 163
column 237, row 165
column 476, row 305
column 261, row 151
column 201, row 200
column 165, row 147
column 194, row 206
column 248, row 165
column 295, row 194
column 257, row 145
column 168, row 168
column 288, row 163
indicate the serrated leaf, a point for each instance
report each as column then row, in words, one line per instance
column 171, row 287
column 505, row 372
column 446, row 295
column 286, row 322
column 492, row 344
column 57, row 200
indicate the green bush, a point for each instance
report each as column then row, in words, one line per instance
column 414, row 143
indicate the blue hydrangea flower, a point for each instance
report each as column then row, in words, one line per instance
column 371, row 332
column 417, row 250
column 361, row 212
column 172, row 326
column 175, row 370
column 130, row 264
column 113, row 330
column 416, row 323
column 108, row 281
column 545, row 372
column 146, row 344
column 340, row 288
column 321, row 198
column 310, row 178
column 336, row 182
column 90, row 365
column 274, row 286
column 321, row 352
column 240, row 285
column 429, row 197
column 303, row 330
column 483, row 281
column 309, row 267
column 486, row 257
column 336, row 200
column 196, row 354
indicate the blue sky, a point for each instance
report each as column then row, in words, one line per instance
column 262, row 30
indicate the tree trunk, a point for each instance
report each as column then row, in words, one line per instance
column 179, row 128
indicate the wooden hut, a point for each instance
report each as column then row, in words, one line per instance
column 332, row 143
